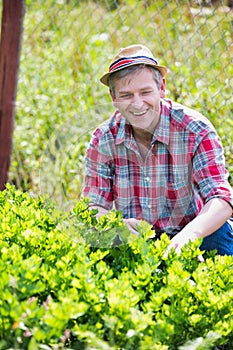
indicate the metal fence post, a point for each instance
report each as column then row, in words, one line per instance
column 11, row 29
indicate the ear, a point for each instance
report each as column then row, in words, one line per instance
column 113, row 98
column 163, row 88
column 112, row 95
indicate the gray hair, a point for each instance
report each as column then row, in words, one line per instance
column 129, row 70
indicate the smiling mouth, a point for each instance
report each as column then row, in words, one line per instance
column 138, row 114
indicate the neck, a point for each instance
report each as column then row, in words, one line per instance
column 142, row 136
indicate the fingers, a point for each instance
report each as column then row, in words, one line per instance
column 178, row 248
column 133, row 230
column 170, row 247
column 200, row 258
column 132, row 225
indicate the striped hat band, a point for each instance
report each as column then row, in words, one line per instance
column 127, row 61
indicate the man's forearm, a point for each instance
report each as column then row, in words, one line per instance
column 212, row 216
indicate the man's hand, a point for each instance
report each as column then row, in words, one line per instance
column 181, row 239
column 132, row 225
column 205, row 223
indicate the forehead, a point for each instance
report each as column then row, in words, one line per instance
column 138, row 79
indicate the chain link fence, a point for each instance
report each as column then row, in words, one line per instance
column 68, row 44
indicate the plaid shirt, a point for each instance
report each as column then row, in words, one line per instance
column 184, row 168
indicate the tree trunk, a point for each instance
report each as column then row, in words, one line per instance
column 11, row 30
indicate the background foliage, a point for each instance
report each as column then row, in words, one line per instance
column 68, row 44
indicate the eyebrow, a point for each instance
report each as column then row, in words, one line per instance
column 129, row 91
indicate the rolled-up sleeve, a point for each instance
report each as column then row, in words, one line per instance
column 209, row 171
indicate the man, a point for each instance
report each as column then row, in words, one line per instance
column 157, row 160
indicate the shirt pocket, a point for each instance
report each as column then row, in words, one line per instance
column 179, row 195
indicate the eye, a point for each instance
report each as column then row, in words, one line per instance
column 126, row 95
column 146, row 92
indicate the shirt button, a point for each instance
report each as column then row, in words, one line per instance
column 147, row 179
column 149, row 206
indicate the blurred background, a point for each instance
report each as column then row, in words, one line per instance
column 68, row 44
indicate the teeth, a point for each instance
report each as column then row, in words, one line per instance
column 139, row 113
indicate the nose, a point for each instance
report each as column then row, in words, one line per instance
column 137, row 101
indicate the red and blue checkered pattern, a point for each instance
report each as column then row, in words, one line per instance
column 184, row 168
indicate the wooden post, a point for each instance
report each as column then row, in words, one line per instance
column 11, row 30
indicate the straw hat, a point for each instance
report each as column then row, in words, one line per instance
column 131, row 56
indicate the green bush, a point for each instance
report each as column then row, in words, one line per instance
column 71, row 281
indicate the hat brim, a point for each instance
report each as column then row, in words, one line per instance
column 105, row 77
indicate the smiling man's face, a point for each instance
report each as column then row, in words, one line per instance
column 137, row 97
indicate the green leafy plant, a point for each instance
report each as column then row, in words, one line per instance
column 60, row 291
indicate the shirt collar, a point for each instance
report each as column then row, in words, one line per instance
column 124, row 133
column 120, row 121
column 162, row 132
